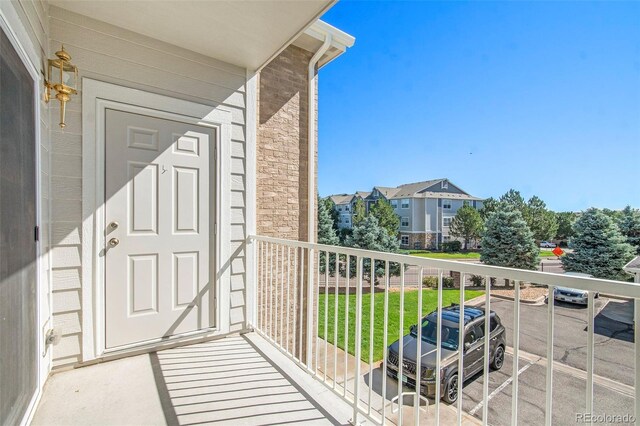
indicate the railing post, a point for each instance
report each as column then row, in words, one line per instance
column 548, row 418
column 636, row 334
column 358, row 342
column 310, row 310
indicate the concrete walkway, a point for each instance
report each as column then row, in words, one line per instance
column 236, row 380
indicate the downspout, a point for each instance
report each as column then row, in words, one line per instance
column 311, row 136
column 311, row 188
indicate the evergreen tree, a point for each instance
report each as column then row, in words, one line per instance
column 514, row 199
column 333, row 212
column 369, row 235
column 326, row 234
column 542, row 222
column 358, row 213
column 387, row 218
column 508, row 241
column 629, row 225
column 467, row 224
column 490, row 205
column 598, row 246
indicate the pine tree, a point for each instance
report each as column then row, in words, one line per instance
column 598, row 246
column 333, row 212
column 629, row 225
column 326, row 234
column 508, row 241
column 387, row 218
column 467, row 224
column 369, row 235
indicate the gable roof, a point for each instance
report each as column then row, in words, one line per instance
column 422, row 190
column 633, row 266
column 341, row 198
column 363, row 194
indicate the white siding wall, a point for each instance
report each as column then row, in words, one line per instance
column 108, row 53
column 29, row 20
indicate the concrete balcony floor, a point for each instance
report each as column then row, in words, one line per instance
column 235, row 380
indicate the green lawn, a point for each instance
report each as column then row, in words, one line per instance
column 429, row 303
column 468, row 255
column 441, row 255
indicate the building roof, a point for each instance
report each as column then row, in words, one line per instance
column 419, row 190
column 341, row 198
column 410, row 189
column 363, row 194
column 633, row 266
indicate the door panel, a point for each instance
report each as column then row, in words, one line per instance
column 159, row 191
column 18, row 254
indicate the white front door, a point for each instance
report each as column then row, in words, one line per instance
column 159, row 183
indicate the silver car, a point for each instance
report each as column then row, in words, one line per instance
column 573, row 295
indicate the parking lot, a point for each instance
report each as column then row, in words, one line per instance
column 614, row 356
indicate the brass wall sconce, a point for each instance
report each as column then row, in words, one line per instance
column 62, row 76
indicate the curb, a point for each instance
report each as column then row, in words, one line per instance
column 526, row 301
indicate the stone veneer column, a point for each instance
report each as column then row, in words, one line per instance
column 282, row 169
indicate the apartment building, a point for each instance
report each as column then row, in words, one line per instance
column 426, row 209
column 344, row 204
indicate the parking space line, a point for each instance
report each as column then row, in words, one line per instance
column 506, row 383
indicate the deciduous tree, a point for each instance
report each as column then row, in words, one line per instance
column 359, row 212
column 467, row 224
column 387, row 218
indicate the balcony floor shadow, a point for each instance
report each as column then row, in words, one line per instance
column 148, row 389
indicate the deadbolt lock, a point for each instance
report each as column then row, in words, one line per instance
column 114, row 242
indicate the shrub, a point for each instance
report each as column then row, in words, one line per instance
column 452, row 246
column 477, row 280
column 432, row 282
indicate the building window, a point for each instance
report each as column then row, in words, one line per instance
column 346, row 220
column 394, row 204
column 404, row 240
column 404, row 222
column 446, row 239
column 444, row 184
column 446, row 204
column 404, row 203
column 446, row 221
column 346, row 208
column 339, row 209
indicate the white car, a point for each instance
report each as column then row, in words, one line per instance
column 573, row 295
column 547, row 244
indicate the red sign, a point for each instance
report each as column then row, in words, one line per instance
column 557, row 251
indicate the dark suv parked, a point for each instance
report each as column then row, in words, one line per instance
column 473, row 360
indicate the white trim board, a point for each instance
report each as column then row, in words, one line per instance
column 96, row 97
column 17, row 35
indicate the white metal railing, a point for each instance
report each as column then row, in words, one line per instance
column 287, row 313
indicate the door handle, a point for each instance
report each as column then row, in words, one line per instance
column 114, row 225
column 114, row 242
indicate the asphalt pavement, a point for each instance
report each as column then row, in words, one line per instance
column 613, row 366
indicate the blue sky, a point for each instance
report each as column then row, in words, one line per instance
column 543, row 97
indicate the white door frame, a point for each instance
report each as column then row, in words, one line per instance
column 96, row 97
column 18, row 38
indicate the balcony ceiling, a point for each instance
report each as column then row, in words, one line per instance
column 243, row 33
